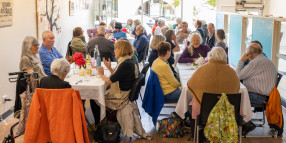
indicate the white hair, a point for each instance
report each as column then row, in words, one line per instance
column 101, row 30
column 46, row 33
column 194, row 34
column 217, row 53
column 60, row 66
column 161, row 21
column 140, row 27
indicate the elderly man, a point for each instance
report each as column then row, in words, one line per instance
column 259, row 77
column 210, row 40
column 47, row 51
column 105, row 46
column 59, row 68
column 140, row 42
column 183, row 33
column 158, row 30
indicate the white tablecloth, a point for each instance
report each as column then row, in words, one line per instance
column 130, row 38
column 93, row 88
column 178, row 53
column 185, row 72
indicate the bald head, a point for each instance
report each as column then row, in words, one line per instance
column 100, row 30
column 254, row 48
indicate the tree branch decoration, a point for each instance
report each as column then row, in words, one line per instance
column 50, row 17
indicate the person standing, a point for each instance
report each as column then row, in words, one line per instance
column 211, row 40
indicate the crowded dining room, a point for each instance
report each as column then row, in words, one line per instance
column 160, row 71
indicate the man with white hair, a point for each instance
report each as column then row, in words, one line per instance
column 59, row 69
column 47, row 51
column 140, row 42
column 259, row 77
column 158, row 30
column 105, row 46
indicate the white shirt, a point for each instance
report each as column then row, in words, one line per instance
column 158, row 31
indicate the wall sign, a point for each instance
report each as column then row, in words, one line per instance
column 6, row 12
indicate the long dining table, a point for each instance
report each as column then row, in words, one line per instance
column 186, row 70
column 90, row 87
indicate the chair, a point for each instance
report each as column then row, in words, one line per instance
column 135, row 89
column 144, row 71
column 145, row 54
column 209, row 100
column 263, row 106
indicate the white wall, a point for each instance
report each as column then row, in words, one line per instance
column 24, row 24
column 276, row 7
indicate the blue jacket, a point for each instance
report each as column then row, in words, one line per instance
column 154, row 98
column 47, row 57
column 119, row 35
column 139, row 43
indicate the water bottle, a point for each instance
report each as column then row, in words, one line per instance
column 98, row 58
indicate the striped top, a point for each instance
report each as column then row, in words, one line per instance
column 259, row 75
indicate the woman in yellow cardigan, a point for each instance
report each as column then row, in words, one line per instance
column 168, row 82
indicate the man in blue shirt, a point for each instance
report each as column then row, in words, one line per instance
column 48, row 52
column 140, row 42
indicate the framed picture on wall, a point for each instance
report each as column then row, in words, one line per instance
column 6, row 12
column 71, row 8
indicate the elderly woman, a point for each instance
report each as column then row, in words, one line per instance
column 129, row 24
column 195, row 50
column 220, row 36
column 172, row 39
column 29, row 61
column 59, row 68
column 156, row 40
column 214, row 77
column 121, row 81
column 164, row 29
column 78, row 43
column 167, row 81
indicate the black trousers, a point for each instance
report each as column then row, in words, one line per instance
column 95, row 110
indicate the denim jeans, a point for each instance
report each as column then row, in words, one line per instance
column 175, row 95
column 256, row 98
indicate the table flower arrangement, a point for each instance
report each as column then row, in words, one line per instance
column 200, row 61
column 79, row 61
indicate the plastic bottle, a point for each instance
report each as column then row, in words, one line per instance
column 98, row 58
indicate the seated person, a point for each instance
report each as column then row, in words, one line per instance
column 220, row 36
column 105, row 46
column 161, row 24
column 211, row 38
column 198, row 26
column 257, row 42
column 172, row 39
column 140, row 42
column 121, row 81
column 47, row 51
column 92, row 32
column 164, row 29
column 136, row 23
column 178, row 24
column 167, row 81
column 117, row 32
column 129, row 24
column 195, row 50
column 183, row 33
column 259, row 77
column 214, row 77
column 59, row 69
column 154, row 26
column 78, row 43
column 29, row 61
column 156, row 40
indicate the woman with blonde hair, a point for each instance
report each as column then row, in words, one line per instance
column 157, row 39
column 195, row 50
column 121, row 81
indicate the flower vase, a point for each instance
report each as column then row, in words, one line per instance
column 81, row 72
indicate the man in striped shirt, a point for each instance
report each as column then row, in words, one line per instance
column 259, row 76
